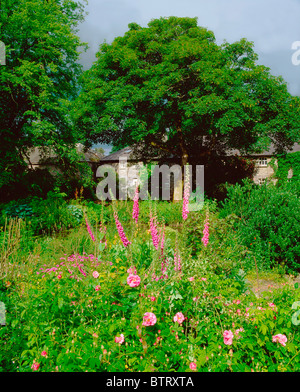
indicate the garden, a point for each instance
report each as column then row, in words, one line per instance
column 128, row 286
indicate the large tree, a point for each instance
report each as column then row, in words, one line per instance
column 171, row 87
column 39, row 80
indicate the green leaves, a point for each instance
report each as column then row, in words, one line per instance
column 296, row 315
column 39, row 79
column 60, row 302
column 160, row 82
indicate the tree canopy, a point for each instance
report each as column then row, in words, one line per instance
column 39, row 80
column 172, row 88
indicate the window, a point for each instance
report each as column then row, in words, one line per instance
column 262, row 162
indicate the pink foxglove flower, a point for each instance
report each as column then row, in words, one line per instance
column 206, row 231
column 282, row 339
column 89, row 230
column 149, row 319
column 154, row 233
column 162, row 244
column 178, row 263
column 133, row 280
column 135, row 211
column 121, row 231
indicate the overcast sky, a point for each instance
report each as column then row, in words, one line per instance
column 272, row 25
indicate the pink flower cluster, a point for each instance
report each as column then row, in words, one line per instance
column 35, row 366
column 135, row 211
column 120, row 339
column 282, row 339
column 237, row 332
column 228, row 336
column 179, row 318
column 121, row 231
column 153, row 230
column 131, row 270
column 133, row 280
column 71, row 265
column 206, row 231
column 149, row 319
column 177, row 262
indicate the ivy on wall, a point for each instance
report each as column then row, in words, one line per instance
column 285, row 162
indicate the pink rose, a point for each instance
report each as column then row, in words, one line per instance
column 191, row 279
column 44, row 354
column 179, row 317
column 228, row 336
column 97, row 288
column 282, row 339
column 96, row 274
column 204, row 279
column 35, row 366
column 193, row 366
column 153, row 299
column 133, row 280
column 149, row 319
column 59, row 276
column 119, row 339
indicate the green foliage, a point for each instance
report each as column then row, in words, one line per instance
column 37, row 82
column 42, row 216
column 286, row 162
column 172, row 88
column 267, row 222
column 64, row 317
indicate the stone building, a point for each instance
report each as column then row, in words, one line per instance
column 263, row 167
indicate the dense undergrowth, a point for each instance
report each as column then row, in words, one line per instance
column 175, row 298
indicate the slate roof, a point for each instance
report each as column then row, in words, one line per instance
column 126, row 152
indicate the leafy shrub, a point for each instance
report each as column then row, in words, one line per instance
column 267, row 221
column 43, row 216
